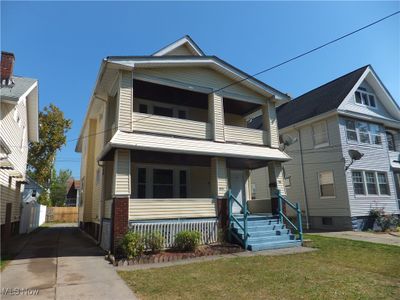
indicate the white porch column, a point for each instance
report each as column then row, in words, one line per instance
column 122, row 173
column 276, row 180
column 270, row 124
column 219, row 177
column 216, row 117
column 125, row 101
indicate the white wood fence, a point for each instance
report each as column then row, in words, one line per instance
column 207, row 228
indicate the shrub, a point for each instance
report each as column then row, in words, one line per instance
column 154, row 241
column 385, row 222
column 132, row 244
column 187, row 240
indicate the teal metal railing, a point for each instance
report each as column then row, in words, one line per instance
column 232, row 219
column 282, row 216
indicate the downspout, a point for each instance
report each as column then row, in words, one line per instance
column 304, row 181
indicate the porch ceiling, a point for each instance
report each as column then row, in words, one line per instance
column 172, row 95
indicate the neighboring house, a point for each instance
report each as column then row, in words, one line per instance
column 32, row 190
column 352, row 112
column 19, row 125
column 72, row 197
column 32, row 213
column 163, row 141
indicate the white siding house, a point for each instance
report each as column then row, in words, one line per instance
column 18, row 126
column 353, row 112
column 166, row 136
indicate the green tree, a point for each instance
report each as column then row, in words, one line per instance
column 58, row 187
column 53, row 127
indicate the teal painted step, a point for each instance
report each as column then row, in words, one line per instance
column 265, row 233
column 252, row 228
column 260, row 222
column 274, row 245
column 270, row 239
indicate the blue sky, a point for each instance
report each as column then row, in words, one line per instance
column 62, row 43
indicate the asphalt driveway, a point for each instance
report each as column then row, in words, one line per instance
column 61, row 262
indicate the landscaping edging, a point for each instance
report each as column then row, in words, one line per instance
column 171, row 255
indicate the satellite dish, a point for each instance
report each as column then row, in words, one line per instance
column 355, row 155
column 288, row 140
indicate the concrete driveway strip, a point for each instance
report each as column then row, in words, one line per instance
column 60, row 262
column 380, row 238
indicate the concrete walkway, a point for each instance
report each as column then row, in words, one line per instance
column 61, row 262
column 274, row 252
column 380, row 238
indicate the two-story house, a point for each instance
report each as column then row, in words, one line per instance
column 164, row 139
column 18, row 126
column 344, row 140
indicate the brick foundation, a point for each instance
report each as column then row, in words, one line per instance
column 120, row 217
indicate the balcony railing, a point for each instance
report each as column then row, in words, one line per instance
column 170, row 126
column 244, row 135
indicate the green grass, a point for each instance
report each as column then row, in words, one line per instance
column 4, row 260
column 341, row 269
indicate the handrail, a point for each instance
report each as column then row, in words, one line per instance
column 296, row 207
column 232, row 218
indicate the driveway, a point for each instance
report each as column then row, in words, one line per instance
column 380, row 238
column 61, row 262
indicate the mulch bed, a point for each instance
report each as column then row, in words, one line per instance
column 173, row 255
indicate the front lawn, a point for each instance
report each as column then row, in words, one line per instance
column 341, row 269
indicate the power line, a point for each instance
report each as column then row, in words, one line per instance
column 309, row 51
column 260, row 72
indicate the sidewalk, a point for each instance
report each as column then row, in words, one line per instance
column 380, row 238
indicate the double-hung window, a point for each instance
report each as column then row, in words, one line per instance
column 390, row 141
column 375, row 131
column 383, row 184
column 351, row 131
column 370, row 183
column 326, row 184
column 358, row 182
column 363, row 132
column 320, row 134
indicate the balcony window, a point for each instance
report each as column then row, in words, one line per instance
column 163, row 111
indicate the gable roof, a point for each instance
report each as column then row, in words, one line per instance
column 323, row 99
column 185, row 42
column 15, row 91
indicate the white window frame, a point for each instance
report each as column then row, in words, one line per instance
column 316, row 125
column 357, row 131
column 150, row 108
column 319, row 185
column 367, row 94
column 364, row 177
column 149, row 180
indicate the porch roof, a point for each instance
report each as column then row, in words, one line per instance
column 139, row 141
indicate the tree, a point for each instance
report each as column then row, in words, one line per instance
column 58, row 187
column 52, row 136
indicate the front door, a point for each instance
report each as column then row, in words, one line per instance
column 237, row 189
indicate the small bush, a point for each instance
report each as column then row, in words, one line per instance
column 187, row 240
column 384, row 221
column 133, row 244
column 154, row 241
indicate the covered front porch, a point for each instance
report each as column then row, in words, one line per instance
column 170, row 192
